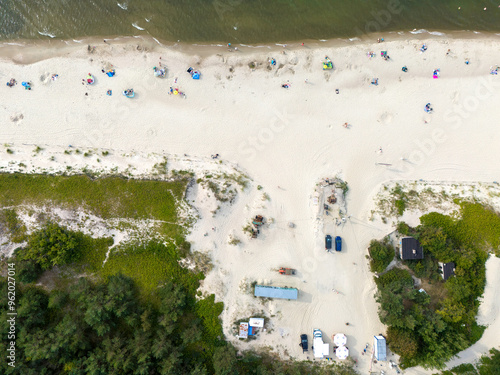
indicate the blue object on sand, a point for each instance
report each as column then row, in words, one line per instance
column 129, row 93
column 196, row 74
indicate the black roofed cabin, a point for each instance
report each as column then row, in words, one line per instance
column 447, row 270
column 410, row 249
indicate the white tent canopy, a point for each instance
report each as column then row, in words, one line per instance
column 342, row 352
column 340, row 339
column 257, row 322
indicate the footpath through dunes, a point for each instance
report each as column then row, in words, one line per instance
column 488, row 315
column 286, row 140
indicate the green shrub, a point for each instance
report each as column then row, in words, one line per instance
column 402, row 342
column 28, row 271
column 395, row 276
column 53, row 245
column 464, row 369
column 400, row 205
column 403, row 228
column 381, row 254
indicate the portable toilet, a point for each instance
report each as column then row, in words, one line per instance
column 380, row 348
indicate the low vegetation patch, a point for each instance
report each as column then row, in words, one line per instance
column 149, row 264
column 108, row 198
column 488, row 364
column 14, row 226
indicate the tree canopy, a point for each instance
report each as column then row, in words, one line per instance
column 428, row 325
column 52, row 245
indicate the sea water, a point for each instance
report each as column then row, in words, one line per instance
column 240, row 21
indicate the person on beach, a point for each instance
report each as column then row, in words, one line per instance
column 12, row 82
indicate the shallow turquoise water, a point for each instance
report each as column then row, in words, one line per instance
column 239, row 21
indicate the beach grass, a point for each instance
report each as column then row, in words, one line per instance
column 150, row 264
column 108, row 197
column 478, row 226
column 147, row 262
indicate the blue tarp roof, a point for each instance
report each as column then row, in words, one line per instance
column 380, row 348
column 275, row 292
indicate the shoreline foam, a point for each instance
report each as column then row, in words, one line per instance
column 9, row 47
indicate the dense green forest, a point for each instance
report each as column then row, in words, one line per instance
column 108, row 328
column 428, row 327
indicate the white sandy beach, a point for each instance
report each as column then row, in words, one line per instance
column 287, row 141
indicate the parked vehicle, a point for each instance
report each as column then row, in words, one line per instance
column 320, row 348
column 338, row 243
column 286, row 271
column 304, row 343
column 328, row 242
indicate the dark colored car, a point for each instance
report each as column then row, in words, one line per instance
column 328, row 242
column 303, row 343
column 338, row 243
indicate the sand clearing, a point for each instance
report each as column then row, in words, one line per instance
column 287, row 141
